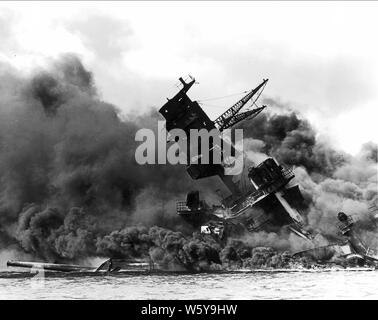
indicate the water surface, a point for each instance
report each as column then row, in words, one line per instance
column 236, row 285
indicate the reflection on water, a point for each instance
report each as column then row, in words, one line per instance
column 252, row 285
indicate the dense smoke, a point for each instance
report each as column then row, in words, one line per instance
column 292, row 140
column 70, row 187
column 330, row 180
column 62, row 149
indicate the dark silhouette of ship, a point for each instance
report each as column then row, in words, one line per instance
column 269, row 202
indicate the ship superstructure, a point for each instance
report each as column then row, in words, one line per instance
column 268, row 202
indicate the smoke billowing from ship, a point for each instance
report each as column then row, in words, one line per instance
column 70, row 187
column 330, row 180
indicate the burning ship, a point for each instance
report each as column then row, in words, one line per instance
column 270, row 201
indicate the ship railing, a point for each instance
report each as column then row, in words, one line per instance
column 256, row 195
column 182, row 207
column 345, row 226
column 248, row 202
column 288, row 173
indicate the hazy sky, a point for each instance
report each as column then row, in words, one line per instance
column 321, row 57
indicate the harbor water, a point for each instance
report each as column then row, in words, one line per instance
column 283, row 284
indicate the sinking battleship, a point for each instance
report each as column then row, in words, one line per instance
column 270, row 202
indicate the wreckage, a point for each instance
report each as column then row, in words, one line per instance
column 350, row 247
column 108, row 266
column 269, row 202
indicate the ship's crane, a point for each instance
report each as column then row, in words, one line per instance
column 241, row 116
column 231, row 116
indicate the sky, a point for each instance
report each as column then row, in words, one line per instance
column 321, row 58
